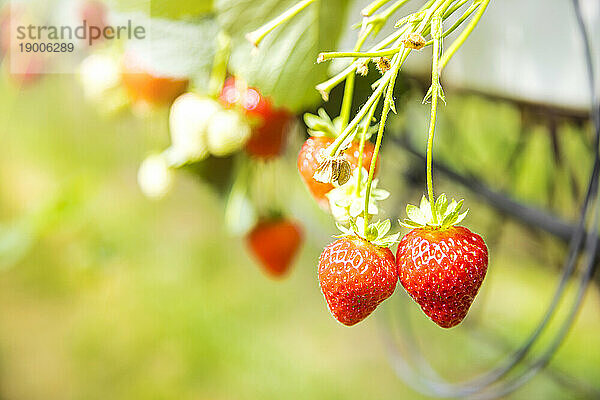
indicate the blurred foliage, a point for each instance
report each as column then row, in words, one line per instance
column 280, row 64
column 543, row 161
column 182, row 43
column 174, row 9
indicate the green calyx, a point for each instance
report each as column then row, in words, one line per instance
column 376, row 233
column 441, row 215
column 322, row 125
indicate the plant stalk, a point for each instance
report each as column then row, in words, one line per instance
column 460, row 40
column 387, row 105
column 258, row 35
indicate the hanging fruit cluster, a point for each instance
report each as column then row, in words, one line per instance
column 440, row 265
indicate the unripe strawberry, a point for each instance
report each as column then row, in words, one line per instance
column 227, row 133
column 154, row 176
column 189, row 121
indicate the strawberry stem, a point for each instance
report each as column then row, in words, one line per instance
column 219, row 69
column 374, row 6
column 434, row 97
column 463, row 35
column 397, row 62
column 363, row 134
column 349, row 87
column 258, row 35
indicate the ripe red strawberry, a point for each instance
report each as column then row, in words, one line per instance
column 442, row 267
column 308, row 162
column 146, row 87
column 275, row 244
column 356, row 275
column 270, row 131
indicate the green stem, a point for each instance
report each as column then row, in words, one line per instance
column 347, row 101
column 374, row 6
column 436, row 32
column 455, row 7
column 335, row 146
column 383, row 83
column 394, row 7
column 459, row 21
column 387, row 105
column 258, row 35
column 325, row 87
column 426, row 10
column 363, row 134
column 349, row 87
column 358, row 54
column 463, row 35
column 219, row 69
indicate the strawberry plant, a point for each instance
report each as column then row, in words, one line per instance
column 233, row 97
column 270, row 124
column 440, row 265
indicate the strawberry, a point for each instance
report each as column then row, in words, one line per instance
column 227, row 132
column 271, row 124
column 144, row 86
column 309, row 161
column 440, row 265
column 189, row 120
column 357, row 272
column 275, row 243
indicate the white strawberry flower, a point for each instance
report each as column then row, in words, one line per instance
column 155, row 177
column 346, row 205
column 227, row 133
column 189, row 120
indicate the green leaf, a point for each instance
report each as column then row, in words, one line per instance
column 461, row 217
column 407, row 223
column 383, row 227
column 450, row 219
column 284, row 65
column 178, row 48
column 424, row 203
column 320, row 125
column 441, row 94
column 441, row 204
column 172, row 9
column 415, row 214
column 425, row 207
